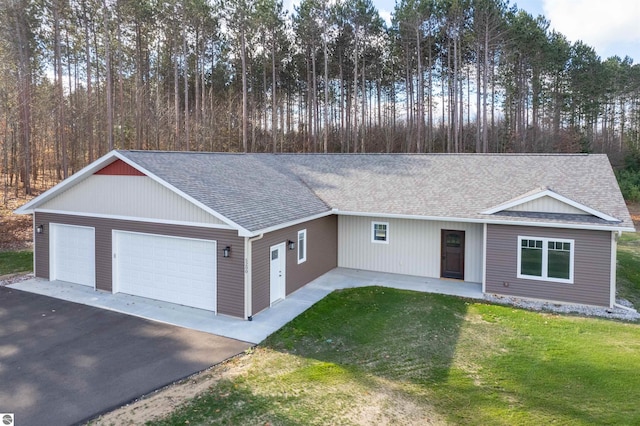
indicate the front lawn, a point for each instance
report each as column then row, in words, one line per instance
column 629, row 268
column 15, row 261
column 376, row 355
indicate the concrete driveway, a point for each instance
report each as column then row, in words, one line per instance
column 62, row 362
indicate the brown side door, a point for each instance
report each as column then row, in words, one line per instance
column 452, row 254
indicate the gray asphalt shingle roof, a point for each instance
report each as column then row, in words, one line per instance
column 243, row 188
column 258, row 191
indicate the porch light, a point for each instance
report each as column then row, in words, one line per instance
column 292, row 245
column 226, row 251
column 40, row 229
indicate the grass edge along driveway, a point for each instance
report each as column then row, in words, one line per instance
column 12, row 262
column 378, row 355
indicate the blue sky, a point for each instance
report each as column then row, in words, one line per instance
column 611, row 27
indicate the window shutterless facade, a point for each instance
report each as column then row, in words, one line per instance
column 380, row 232
column 302, row 246
column 545, row 259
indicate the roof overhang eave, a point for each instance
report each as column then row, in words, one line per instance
column 568, row 225
column 273, row 228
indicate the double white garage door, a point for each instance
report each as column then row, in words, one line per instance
column 171, row 269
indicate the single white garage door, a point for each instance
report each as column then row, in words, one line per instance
column 172, row 269
column 72, row 254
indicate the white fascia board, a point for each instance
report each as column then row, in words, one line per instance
column 83, row 173
column 136, row 219
column 184, row 195
column 554, row 195
column 613, row 264
column 287, row 224
column 488, row 221
column 561, row 225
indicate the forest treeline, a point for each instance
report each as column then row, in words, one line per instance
column 80, row 77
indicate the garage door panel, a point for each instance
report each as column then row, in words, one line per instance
column 73, row 254
column 172, row 269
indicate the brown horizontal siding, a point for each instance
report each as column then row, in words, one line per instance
column 322, row 256
column 230, row 271
column 592, row 258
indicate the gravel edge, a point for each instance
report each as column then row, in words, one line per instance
column 629, row 314
column 14, row 278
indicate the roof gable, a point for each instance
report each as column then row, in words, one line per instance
column 127, row 196
column 545, row 200
column 103, row 163
column 119, row 168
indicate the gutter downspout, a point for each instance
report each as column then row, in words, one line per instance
column 484, row 258
column 626, row 308
column 248, row 275
column 615, row 235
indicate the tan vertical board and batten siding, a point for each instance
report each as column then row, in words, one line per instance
column 592, row 271
column 414, row 246
column 130, row 196
column 321, row 258
column 230, row 280
column 546, row 205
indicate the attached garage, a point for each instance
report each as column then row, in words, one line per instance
column 172, row 269
column 72, row 251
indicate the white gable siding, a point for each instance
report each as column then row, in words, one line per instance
column 413, row 249
column 130, row 196
column 546, row 205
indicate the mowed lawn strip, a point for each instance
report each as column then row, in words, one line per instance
column 629, row 268
column 376, row 355
column 15, row 261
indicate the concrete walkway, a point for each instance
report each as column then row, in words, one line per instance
column 264, row 323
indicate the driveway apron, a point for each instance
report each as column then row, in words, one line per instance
column 62, row 363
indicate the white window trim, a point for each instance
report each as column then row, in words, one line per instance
column 373, row 232
column 545, row 259
column 304, row 245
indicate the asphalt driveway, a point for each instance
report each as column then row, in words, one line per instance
column 62, row 363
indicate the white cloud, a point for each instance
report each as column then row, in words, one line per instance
column 289, row 4
column 605, row 25
column 386, row 15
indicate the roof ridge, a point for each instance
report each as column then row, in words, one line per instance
column 372, row 154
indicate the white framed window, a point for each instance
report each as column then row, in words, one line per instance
column 546, row 259
column 380, row 232
column 302, row 246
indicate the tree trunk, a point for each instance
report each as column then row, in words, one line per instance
column 107, row 47
column 185, row 62
column 243, row 59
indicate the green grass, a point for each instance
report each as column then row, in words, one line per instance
column 628, row 272
column 377, row 355
column 15, row 261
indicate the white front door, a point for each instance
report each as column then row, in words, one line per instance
column 277, row 272
column 72, row 257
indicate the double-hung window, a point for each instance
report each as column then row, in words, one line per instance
column 546, row 259
column 302, row 246
column 380, row 232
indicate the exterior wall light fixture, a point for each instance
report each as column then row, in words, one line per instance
column 226, row 251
